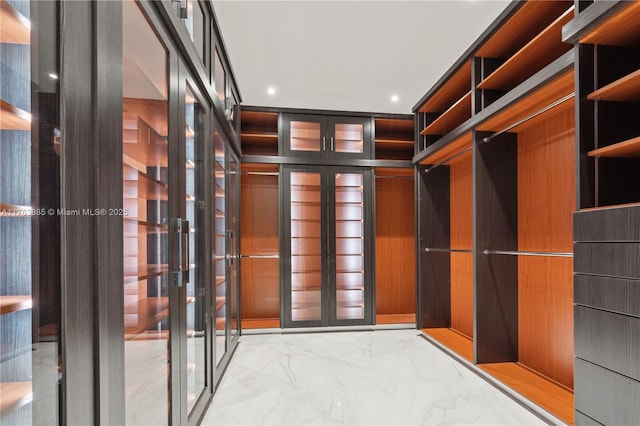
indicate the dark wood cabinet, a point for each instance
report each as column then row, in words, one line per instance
column 327, row 246
column 328, row 137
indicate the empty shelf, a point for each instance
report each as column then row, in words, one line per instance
column 626, row 89
column 626, row 149
column 457, row 342
column 10, row 304
column 13, row 118
column 540, row 51
column 451, row 118
column 14, row 396
column 554, row 398
column 14, row 27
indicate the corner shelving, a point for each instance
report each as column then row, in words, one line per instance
column 259, row 132
column 540, row 51
column 455, row 115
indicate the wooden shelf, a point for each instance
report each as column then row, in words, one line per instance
column 149, row 311
column 528, row 21
column 622, row 29
column 146, row 227
column 454, row 88
column 395, row 318
column 220, row 302
column 14, row 27
column 534, row 102
column 10, row 304
column 453, row 340
column 259, row 122
column 551, row 396
column 449, row 150
column 13, row 118
column 14, row 210
column 14, row 396
column 627, row 149
column 626, row 89
column 143, row 272
column 451, row 118
column 254, row 323
column 540, row 51
column 220, row 281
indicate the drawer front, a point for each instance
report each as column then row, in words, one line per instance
column 614, row 224
column 619, row 295
column 608, row 339
column 605, row 396
column 611, row 259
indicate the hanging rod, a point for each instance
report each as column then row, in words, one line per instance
column 440, row 250
column 260, row 256
column 446, row 160
column 527, row 253
column 261, row 173
column 529, row 117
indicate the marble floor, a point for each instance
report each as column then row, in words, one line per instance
column 385, row 377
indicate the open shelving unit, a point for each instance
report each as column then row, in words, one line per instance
column 495, row 270
column 260, row 243
column 259, row 132
column 606, row 39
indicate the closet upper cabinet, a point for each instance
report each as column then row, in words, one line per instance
column 327, row 137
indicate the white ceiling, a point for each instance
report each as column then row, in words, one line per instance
column 347, row 55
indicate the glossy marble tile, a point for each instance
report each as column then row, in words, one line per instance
column 373, row 377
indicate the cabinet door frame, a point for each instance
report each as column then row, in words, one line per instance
column 328, row 272
column 368, row 246
column 284, row 134
column 367, row 137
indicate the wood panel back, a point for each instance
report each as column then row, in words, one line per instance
column 395, row 246
column 461, row 237
column 260, row 288
column 546, row 202
column 546, row 184
column 259, row 219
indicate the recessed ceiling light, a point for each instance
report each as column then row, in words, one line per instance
column 271, row 90
column 395, row 98
column 53, row 76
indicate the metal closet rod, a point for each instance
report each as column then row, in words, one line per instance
column 527, row 253
column 446, row 160
column 488, row 138
column 260, row 256
column 441, row 250
column 529, row 117
column 261, row 173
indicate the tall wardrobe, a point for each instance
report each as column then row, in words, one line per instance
column 120, row 202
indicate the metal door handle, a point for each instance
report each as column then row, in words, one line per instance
column 175, row 260
column 324, row 144
column 331, row 148
column 187, row 250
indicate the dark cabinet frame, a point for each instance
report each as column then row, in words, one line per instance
column 328, row 254
column 327, row 135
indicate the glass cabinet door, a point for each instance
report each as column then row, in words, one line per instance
column 30, row 215
column 330, row 137
column 326, row 229
column 145, row 199
column 194, row 366
column 233, row 245
column 220, row 239
column 305, row 247
column 348, row 241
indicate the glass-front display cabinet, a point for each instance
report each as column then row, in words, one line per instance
column 327, row 251
column 30, row 214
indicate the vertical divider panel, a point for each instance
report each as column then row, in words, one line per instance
column 434, row 222
column 495, row 201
